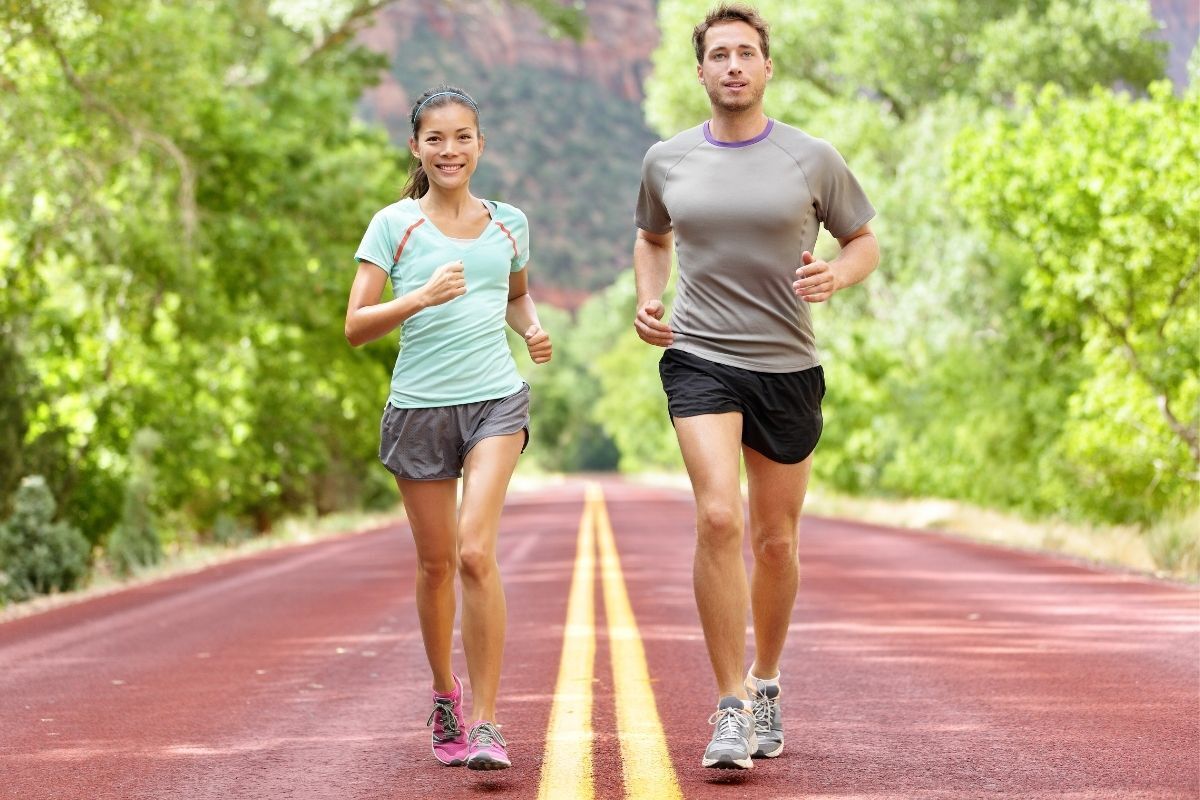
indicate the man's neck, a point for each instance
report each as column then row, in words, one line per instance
column 738, row 126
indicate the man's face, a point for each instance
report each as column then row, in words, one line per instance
column 734, row 72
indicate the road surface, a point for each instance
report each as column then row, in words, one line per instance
column 918, row 666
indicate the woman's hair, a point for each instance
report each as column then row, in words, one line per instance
column 418, row 181
column 732, row 12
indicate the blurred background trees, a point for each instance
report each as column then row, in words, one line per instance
column 1031, row 339
column 182, row 187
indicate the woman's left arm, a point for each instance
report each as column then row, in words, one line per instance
column 521, row 316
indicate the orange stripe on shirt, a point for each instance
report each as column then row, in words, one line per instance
column 404, row 241
column 508, row 233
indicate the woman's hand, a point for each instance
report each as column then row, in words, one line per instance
column 538, row 342
column 447, row 282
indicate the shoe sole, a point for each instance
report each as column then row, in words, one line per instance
column 727, row 762
column 453, row 762
column 487, row 764
column 763, row 753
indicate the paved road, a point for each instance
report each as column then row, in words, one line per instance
column 918, row 667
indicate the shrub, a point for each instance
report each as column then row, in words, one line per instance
column 37, row 554
column 1174, row 544
column 134, row 542
column 228, row 531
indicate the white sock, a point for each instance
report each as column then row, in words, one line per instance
column 753, row 681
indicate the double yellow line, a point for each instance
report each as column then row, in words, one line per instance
column 567, row 772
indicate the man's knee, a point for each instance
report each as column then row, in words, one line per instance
column 776, row 547
column 719, row 524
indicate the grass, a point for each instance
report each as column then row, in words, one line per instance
column 192, row 555
column 1169, row 550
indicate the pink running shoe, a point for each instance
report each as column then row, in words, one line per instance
column 449, row 727
column 486, row 747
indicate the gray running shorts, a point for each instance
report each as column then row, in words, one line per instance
column 426, row 444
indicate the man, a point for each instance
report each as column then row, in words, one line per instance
column 740, row 199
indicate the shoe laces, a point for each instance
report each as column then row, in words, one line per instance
column 728, row 722
column 443, row 708
column 764, row 712
column 485, row 734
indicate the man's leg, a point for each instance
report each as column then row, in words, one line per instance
column 711, row 445
column 776, row 498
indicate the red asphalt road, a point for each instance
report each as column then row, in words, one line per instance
column 918, row 666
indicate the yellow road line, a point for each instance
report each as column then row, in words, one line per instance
column 567, row 769
column 567, row 766
column 644, row 759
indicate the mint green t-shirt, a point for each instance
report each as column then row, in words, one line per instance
column 455, row 352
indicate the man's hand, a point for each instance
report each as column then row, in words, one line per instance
column 538, row 342
column 446, row 283
column 649, row 324
column 815, row 280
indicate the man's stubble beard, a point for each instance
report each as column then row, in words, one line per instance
column 717, row 103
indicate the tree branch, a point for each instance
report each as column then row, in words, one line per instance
column 1188, row 433
column 349, row 27
column 1177, row 293
column 897, row 107
column 187, row 176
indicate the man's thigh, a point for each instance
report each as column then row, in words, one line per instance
column 711, row 445
column 776, row 493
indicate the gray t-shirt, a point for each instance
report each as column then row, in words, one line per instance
column 742, row 213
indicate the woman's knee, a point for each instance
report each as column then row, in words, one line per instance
column 476, row 563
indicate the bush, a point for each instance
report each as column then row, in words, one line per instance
column 38, row 555
column 1174, row 544
column 228, row 531
column 134, row 542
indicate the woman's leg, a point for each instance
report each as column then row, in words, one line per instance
column 486, row 474
column 430, row 506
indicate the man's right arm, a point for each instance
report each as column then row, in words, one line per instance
column 651, row 270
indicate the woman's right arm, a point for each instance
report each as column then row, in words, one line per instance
column 367, row 319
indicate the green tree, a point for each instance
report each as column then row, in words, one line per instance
column 1099, row 195
column 943, row 379
column 181, row 192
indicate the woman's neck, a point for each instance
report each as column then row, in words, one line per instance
column 449, row 204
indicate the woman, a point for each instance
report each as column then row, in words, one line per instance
column 457, row 407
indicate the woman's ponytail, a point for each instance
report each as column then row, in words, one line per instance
column 418, row 181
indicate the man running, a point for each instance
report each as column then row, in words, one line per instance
column 740, row 199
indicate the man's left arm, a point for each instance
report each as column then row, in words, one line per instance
column 817, row 280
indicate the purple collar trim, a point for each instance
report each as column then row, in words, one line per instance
column 765, row 133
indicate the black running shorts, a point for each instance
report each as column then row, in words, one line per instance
column 781, row 411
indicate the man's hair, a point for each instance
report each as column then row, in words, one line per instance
column 732, row 12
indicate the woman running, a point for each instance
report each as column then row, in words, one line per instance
column 457, row 406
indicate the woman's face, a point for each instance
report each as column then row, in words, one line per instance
column 448, row 144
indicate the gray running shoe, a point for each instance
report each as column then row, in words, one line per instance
column 768, row 718
column 733, row 742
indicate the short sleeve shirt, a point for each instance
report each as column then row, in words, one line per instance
column 455, row 352
column 742, row 214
